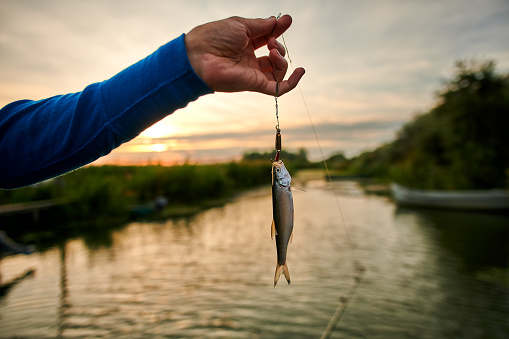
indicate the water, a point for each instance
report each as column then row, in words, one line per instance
column 429, row 275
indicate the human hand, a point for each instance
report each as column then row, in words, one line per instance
column 222, row 54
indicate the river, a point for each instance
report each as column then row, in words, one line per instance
column 429, row 274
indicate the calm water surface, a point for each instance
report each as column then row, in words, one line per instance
column 429, row 275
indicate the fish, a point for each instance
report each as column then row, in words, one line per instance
column 283, row 216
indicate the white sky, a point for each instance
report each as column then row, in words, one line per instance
column 370, row 65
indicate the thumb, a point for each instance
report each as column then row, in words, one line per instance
column 258, row 27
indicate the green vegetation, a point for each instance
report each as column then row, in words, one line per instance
column 462, row 143
column 110, row 192
column 102, row 198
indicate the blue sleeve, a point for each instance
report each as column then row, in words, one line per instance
column 46, row 138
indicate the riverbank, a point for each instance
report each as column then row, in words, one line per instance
column 110, row 194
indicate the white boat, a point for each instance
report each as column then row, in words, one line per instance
column 494, row 199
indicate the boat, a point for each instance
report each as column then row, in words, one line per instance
column 493, row 199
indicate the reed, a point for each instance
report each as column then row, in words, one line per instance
column 110, row 191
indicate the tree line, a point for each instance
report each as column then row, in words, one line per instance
column 461, row 143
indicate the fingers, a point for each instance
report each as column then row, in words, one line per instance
column 292, row 82
column 273, row 65
column 280, row 65
column 271, row 26
column 279, row 26
column 251, row 34
column 272, row 88
column 274, row 44
column 256, row 28
column 282, row 25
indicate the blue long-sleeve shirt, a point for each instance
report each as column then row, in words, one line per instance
column 46, row 138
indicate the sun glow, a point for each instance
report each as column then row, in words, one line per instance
column 160, row 130
column 159, row 147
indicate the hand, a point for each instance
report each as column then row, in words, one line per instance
column 222, row 54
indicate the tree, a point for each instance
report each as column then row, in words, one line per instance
column 475, row 110
column 463, row 142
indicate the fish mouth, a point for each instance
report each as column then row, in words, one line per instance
column 281, row 185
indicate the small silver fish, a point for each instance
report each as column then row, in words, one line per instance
column 283, row 214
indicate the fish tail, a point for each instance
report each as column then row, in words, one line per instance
column 281, row 269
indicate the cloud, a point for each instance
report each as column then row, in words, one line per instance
column 366, row 62
column 333, row 138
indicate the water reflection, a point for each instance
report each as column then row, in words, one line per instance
column 460, row 286
column 212, row 275
column 479, row 240
column 64, row 291
column 5, row 287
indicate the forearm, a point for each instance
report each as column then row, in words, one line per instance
column 43, row 139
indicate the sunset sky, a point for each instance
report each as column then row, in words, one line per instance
column 370, row 66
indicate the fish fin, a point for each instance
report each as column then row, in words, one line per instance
column 273, row 230
column 281, row 269
column 298, row 189
column 293, row 218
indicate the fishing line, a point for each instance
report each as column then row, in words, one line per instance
column 278, row 130
column 359, row 269
column 278, row 145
